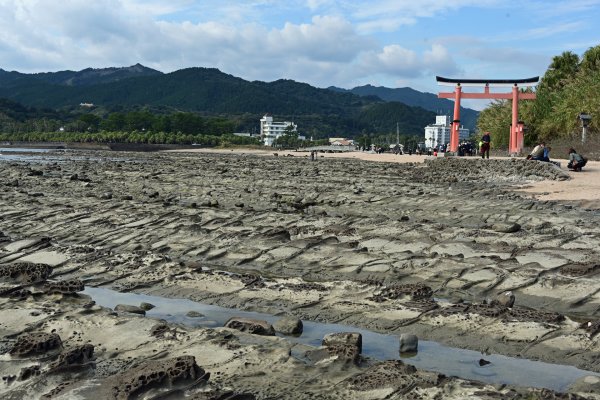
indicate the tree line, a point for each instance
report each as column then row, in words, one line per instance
column 19, row 123
column 184, row 123
column 569, row 87
column 148, row 137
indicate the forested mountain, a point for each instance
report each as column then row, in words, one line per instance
column 92, row 76
column 384, row 117
column 191, row 89
column 11, row 110
column 412, row 97
column 212, row 93
column 86, row 77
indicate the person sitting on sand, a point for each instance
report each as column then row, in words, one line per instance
column 546, row 156
column 576, row 161
column 537, row 153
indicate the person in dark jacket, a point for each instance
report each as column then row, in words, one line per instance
column 576, row 161
column 485, row 145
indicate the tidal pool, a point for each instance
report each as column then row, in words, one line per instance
column 432, row 356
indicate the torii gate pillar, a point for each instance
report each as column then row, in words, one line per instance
column 516, row 127
column 454, row 133
column 515, row 142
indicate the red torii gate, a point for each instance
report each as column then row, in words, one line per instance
column 515, row 145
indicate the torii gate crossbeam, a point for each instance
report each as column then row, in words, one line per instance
column 515, row 145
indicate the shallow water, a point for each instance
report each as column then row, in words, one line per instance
column 46, row 155
column 432, row 356
column 23, row 154
column 23, row 150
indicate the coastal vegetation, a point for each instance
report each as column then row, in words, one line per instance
column 570, row 86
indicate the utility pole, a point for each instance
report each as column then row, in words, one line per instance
column 397, row 133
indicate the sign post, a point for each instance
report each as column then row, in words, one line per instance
column 585, row 121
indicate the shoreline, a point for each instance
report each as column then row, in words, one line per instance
column 583, row 189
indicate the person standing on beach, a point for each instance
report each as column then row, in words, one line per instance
column 485, row 145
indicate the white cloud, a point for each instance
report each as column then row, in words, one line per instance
column 322, row 42
column 508, row 56
column 389, row 15
column 317, row 4
column 554, row 29
column 413, row 8
column 325, row 39
column 156, row 7
column 439, row 60
column 562, row 8
column 385, row 24
column 397, row 61
column 307, row 52
column 80, row 34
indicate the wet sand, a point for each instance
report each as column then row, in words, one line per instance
column 413, row 246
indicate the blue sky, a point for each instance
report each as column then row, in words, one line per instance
column 346, row 43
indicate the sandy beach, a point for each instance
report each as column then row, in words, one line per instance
column 244, row 275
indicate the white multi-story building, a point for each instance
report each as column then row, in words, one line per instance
column 271, row 130
column 439, row 133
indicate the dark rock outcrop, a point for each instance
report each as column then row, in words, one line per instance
column 76, row 357
column 35, row 343
column 413, row 291
column 156, row 373
column 25, row 272
column 254, row 326
column 65, row 287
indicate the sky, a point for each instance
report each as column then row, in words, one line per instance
column 344, row 43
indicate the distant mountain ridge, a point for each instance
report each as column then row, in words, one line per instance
column 412, row 97
column 190, row 89
column 211, row 92
column 86, row 77
column 92, row 76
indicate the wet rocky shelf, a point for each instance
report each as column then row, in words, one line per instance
column 335, row 240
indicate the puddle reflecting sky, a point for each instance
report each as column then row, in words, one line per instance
column 432, row 356
column 45, row 156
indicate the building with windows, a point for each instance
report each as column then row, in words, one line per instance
column 439, row 133
column 271, row 130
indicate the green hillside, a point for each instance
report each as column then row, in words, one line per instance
column 384, row 117
column 93, row 76
column 192, row 89
column 412, row 97
column 209, row 93
column 139, row 98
